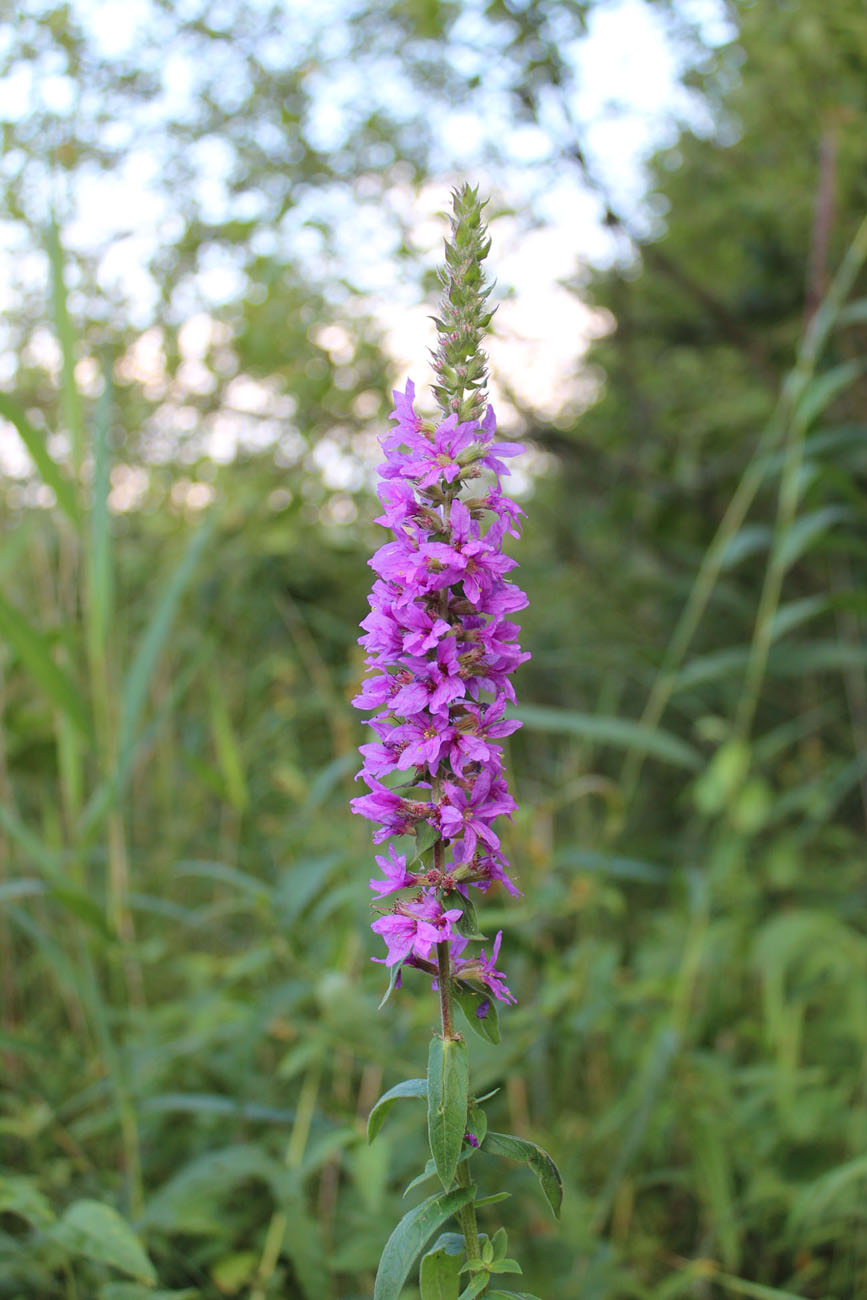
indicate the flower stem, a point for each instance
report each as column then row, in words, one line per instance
column 444, row 980
column 467, row 1215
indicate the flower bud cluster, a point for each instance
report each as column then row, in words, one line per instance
column 459, row 362
column 441, row 645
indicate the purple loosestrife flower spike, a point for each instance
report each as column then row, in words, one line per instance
column 442, row 645
column 439, row 640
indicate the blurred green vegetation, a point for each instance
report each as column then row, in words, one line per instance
column 189, row 1036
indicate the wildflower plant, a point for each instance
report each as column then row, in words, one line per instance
column 441, row 645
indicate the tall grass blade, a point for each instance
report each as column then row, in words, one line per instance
column 49, row 470
column 99, row 559
column 35, row 654
column 618, row 732
column 73, row 414
column 156, row 635
column 140, row 673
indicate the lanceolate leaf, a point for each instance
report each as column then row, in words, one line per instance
column 468, row 925
column 515, row 1148
column 409, row 1088
column 393, row 977
column 476, row 1287
column 447, row 1089
column 471, row 1003
column 440, row 1268
column 511, row 1295
column 430, row 1169
column 477, row 1123
column 98, row 1232
column 493, row 1199
column 409, row 1237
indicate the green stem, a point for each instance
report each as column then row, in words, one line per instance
column 444, row 981
column 467, row 1215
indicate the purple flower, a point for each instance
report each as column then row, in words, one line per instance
column 439, row 457
column 465, row 816
column 422, row 740
column 393, row 867
column 493, row 871
column 476, row 730
column 415, row 928
column 408, row 423
column 483, row 971
column 396, row 815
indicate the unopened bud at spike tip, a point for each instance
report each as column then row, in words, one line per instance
column 463, row 315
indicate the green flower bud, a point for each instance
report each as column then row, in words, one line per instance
column 460, row 365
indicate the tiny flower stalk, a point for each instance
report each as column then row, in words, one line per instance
column 442, row 645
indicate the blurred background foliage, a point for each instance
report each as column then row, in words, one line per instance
column 189, row 1036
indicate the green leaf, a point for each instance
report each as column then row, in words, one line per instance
column 36, row 656
column 84, row 907
column 622, row 733
column 816, row 1201
column 476, row 1287
column 722, row 778
column 406, row 1242
column 440, row 1268
column 228, row 750
column 393, row 972
column 468, row 925
column 70, row 395
column 140, row 672
column 448, row 1077
column 511, row 1295
column 409, row 1088
column 471, row 1002
column 100, row 575
column 12, row 889
column 430, row 1169
column 505, row 1266
column 615, row 867
column 49, row 471
column 21, row 1196
column 807, row 528
column 477, row 1123
column 822, row 390
column 515, row 1148
column 206, row 1103
column 796, row 612
column 500, row 1243
column 49, row 861
column 493, row 1199
column 193, row 1199
column 98, row 1232
column 748, row 541
column 855, row 313
column 157, row 634
column 425, row 838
